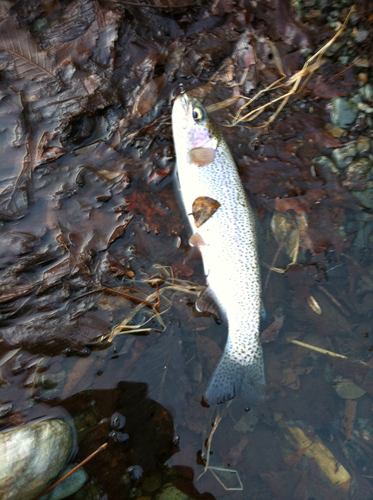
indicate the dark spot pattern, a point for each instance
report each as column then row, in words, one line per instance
column 230, row 259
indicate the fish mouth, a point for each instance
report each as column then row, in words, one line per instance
column 181, row 108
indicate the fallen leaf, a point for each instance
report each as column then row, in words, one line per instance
column 272, row 332
column 349, row 415
column 203, row 208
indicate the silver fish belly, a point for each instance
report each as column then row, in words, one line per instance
column 223, row 226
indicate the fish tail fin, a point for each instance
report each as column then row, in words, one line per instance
column 237, row 371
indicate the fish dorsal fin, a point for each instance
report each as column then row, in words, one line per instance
column 207, row 303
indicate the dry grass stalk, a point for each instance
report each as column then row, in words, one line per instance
column 309, row 68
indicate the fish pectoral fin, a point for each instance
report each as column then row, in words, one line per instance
column 202, row 156
column 207, row 303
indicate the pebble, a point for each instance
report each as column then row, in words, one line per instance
column 344, row 112
column 170, row 492
column 152, row 483
column 362, row 106
column 326, row 162
column 362, row 77
column 361, row 36
column 70, row 485
column 366, row 92
column 335, row 131
column 348, row 390
column 363, row 145
column 345, row 155
column 365, row 197
column 360, row 167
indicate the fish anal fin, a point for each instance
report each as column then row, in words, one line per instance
column 207, row 303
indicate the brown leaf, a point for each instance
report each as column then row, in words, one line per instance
column 349, row 417
column 203, row 208
column 148, row 97
column 271, row 333
column 30, row 62
column 210, row 350
column 292, row 460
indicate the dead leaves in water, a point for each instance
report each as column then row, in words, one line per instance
column 203, row 208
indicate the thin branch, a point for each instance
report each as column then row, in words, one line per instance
column 101, row 448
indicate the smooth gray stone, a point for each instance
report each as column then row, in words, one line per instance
column 31, row 456
column 344, row 112
column 69, row 486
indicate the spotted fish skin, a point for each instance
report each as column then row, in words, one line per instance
column 229, row 250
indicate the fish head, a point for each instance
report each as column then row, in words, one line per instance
column 192, row 127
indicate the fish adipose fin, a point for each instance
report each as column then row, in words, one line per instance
column 237, row 372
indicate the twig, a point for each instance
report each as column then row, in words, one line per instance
column 101, row 448
column 181, row 6
column 323, row 351
column 294, row 81
column 128, row 296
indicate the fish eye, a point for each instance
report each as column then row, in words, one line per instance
column 199, row 114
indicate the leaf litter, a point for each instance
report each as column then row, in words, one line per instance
column 87, row 206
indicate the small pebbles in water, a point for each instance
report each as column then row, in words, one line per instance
column 135, row 472
column 119, row 437
column 344, row 113
column 345, row 155
column 348, row 390
column 117, row 421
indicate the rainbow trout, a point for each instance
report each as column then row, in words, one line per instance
column 224, row 230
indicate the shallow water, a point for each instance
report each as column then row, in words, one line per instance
column 87, row 204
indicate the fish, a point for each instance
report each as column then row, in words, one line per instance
column 224, row 231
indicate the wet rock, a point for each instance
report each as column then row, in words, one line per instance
column 135, row 472
column 366, row 92
column 326, row 162
column 345, row 155
column 152, row 483
column 361, row 36
column 170, row 492
column 365, row 197
column 31, row 456
column 362, row 106
column 51, row 381
column 344, row 113
column 360, row 167
column 335, row 131
column 117, row 421
column 363, row 145
column 70, row 485
column 347, row 389
column 88, row 492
